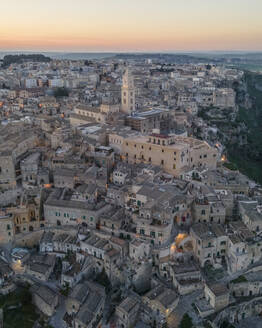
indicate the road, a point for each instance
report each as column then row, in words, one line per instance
column 57, row 319
column 184, row 306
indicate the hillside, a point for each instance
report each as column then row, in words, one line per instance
column 248, row 158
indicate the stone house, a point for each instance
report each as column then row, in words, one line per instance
column 45, row 299
column 217, row 295
column 91, row 311
column 161, row 300
column 127, row 312
column 186, row 278
column 209, row 243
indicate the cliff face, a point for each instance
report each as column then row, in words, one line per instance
column 248, row 155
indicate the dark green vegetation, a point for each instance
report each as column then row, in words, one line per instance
column 239, row 279
column 10, row 59
column 226, row 324
column 103, row 280
column 230, row 166
column 61, row 92
column 213, row 274
column 248, row 158
column 65, row 290
column 18, row 309
column 186, row 322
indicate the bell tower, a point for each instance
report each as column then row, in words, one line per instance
column 128, row 93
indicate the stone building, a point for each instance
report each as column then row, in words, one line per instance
column 207, row 211
column 209, row 243
column 174, row 154
column 91, row 311
column 161, row 300
column 127, row 312
column 224, row 98
column 45, row 299
column 128, row 93
column 7, row 229
column 251, row 215
column 246, row 288
column 147, row 121
column 186, row 278
column 40, row 266
column 61, row 209
column 29, row 168
column 217, row 295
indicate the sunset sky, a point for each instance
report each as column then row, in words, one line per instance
column 131, row 25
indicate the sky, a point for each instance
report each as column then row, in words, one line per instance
column 131, row 25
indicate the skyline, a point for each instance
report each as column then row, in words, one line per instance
column 131, row 26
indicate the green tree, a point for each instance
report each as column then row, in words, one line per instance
column 102, row 279
column 26, row 297
column 61, row 92
column 226, row 324
column 186, row 322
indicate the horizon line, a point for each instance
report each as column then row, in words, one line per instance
column 133, row 51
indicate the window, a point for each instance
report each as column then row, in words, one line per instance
column 162, row 162
column 149, row 159
column 91, row 219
